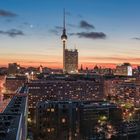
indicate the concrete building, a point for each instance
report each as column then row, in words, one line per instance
column 62, row 90
column 13, row 120
column 71, row 61
column 124, row 87
column 10, row 127
column 57, row 120
column 129, row 130
column 94, row 112
column 71, row 120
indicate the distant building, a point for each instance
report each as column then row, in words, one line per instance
column 123, row 70
column 40, row 69
column 138, row 67
column 96, row 69
column 3, row 70
column 13, row 68
column 70, row 57
column 71, row 61
column 12, row 83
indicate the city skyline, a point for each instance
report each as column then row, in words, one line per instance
column 105, row 32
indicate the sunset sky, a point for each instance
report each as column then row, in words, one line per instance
column 106, row 32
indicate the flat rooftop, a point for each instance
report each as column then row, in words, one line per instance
column 16, row 105
column 22, row 90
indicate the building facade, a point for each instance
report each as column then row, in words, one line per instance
column 71, row 61
column 57, row 120
column 12, row 83
column 62, row 90
column 124, row 70
column 71, row 120
column 13, row 120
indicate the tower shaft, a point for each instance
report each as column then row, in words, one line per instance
column 64, row 47
column 64, row 39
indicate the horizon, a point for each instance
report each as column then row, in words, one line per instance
column 105, row 34
column 90, row 66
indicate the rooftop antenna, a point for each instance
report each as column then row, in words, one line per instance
column 64, row 19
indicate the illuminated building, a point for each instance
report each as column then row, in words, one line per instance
column 129, row 130
column 2, row 81
column 92, row 113
column 57, row 120
column 64, row 89
column 124, row 87
column 124, row 70
column 70, row 57
column 110, row 86
column 72, row 120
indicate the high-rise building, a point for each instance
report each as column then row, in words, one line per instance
column 70, row 57
column 71, row 61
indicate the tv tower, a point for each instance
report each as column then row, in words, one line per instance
column 64, row 39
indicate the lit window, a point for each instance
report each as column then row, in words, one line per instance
column 52, row 109
column 52, row 129
column 48, row 129
column 63, row 120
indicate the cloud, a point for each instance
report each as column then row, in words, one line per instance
column 58, row 28
column 79, row 16
column 136, row 38
column 85, row 25
column 12, row 33
column 8, row 20
column 71, row 25
column 111, row 59
column 26, row 23
column 90, row 35
column 54, row 31
column 4, row 13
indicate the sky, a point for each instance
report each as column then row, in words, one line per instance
column 105, row 32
